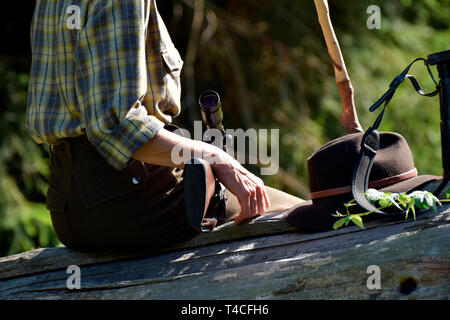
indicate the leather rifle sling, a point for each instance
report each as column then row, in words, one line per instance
column 371, row 140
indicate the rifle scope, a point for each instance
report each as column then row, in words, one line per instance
column 211, row 109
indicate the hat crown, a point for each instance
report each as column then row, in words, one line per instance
column 332, row 165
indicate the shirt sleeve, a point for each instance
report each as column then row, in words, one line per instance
column 111, row 79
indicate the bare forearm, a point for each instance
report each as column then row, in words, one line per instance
column 158, row 150
column 248, row 188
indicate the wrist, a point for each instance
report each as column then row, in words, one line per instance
column 213, row 155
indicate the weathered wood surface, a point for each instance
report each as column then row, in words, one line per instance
column 259, row 263
column 48, row 259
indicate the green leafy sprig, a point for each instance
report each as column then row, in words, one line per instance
column 416, row 200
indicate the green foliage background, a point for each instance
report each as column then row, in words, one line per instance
column 268, row 61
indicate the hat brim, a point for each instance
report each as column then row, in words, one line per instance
column 317, row 215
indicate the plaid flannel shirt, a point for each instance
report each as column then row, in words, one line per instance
column 104, row 68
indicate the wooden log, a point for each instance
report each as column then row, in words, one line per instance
column 48, row 259
column 413, row 257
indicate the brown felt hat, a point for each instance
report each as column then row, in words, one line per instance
column 330, row 171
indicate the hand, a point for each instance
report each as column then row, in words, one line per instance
column 248, row 188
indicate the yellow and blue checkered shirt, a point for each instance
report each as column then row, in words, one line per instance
column 104, row 68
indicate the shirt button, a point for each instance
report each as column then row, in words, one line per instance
column 136, row 180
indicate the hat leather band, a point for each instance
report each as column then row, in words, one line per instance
column 372, row 184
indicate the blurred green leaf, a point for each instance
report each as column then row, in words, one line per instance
column 358, row 221
column 339, row 223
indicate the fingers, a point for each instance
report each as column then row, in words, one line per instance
column 262, row 196
column 249, row 189
column 266, row 199
column 260, row 200
column 254, row 201
column 245, row 211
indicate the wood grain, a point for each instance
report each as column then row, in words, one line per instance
column 272, row 265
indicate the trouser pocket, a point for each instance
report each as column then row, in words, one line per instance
column 57, row 205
